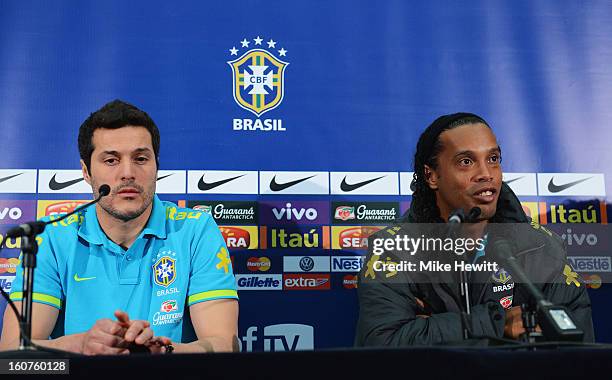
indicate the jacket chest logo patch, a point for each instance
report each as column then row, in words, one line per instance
column 506, row 302
column 164, row 269
column 501, row 276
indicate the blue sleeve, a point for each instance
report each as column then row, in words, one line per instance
column 47, row 284
column 211, row 275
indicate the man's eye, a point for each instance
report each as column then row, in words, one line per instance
column 142, row 160
column 465, row 161
column 111, row 161
column 495, row 159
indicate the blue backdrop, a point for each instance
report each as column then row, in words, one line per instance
column 351, row 84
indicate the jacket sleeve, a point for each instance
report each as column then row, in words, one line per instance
column 570, row 291
column 389, row 314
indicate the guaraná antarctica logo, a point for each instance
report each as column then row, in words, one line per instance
column 258, row 78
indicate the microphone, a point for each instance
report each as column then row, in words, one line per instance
column 456, row 217
column 473, row 214
column 37, row 227
column 556, row 322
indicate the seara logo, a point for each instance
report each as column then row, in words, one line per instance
column 258, row 78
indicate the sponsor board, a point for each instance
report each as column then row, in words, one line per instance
column 364, row 212
column 571, row 184
column 6, row 283
column 306, row 281
column 21, row 181
column 58, row 207
column 16, row 212
column 228, row 212
column 8, row 265
column 350, row 281
column 294, row 237
column 258, row 264
column 364, row 183
column 294, row 212
column 240, row 237
column 171, row 182
column 347, row 263
column 532, row 210
column 590, row 264
column 405, row 181
column 306, row 264
column 221, row 182
column 62, row 181
column 522, row 184
column 573, row 212
column 282, row 182
column 352, row 237
column 280, row 337
column 259, row 282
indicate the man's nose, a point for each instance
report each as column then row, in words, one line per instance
column 484, row 173
column 127, row 170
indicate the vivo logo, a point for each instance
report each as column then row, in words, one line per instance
column 290, row 213
column 13, row 213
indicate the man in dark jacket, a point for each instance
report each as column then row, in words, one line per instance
column 457, row 166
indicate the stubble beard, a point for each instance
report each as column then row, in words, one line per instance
column 126, row 216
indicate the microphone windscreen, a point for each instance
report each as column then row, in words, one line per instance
column 104, row 190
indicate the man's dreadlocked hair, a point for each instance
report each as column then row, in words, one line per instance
column 424, row 208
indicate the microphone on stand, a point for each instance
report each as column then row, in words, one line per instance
column 37, row 227
column 29, row 248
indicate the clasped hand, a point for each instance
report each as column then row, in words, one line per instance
column 115, row 337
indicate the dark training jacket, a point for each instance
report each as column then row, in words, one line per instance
column 388, row 305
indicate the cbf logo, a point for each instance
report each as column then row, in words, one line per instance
column 164, row 268
column 258, row 78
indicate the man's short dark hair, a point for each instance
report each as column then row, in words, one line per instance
column 114, row 115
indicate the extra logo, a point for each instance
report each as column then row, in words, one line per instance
column 501, row 276
column 258, row 77
column 168, row 306
column 164, row 269
column 307, row 281
column 258, row 264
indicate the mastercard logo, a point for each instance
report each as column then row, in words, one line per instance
column 261, row 264
column 8, row 265
column 349, row 281
column 593, row 281
column 236, row 237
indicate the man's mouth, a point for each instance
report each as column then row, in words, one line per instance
column 128, row 191
column 485, row 195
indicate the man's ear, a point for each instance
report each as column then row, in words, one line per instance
column 431, row 177
column 86, row 175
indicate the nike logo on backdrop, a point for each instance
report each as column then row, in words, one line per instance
column 558, row 188
column 344, row 186
column 79, row 279
column 54, row 185
column 514, row 179
column 164, row 176
column 275, row 186
column 9, row 177
column 207, row 186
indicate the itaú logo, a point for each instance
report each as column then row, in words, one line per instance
column 236, row 237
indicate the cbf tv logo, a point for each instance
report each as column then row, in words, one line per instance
column 258, row 77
